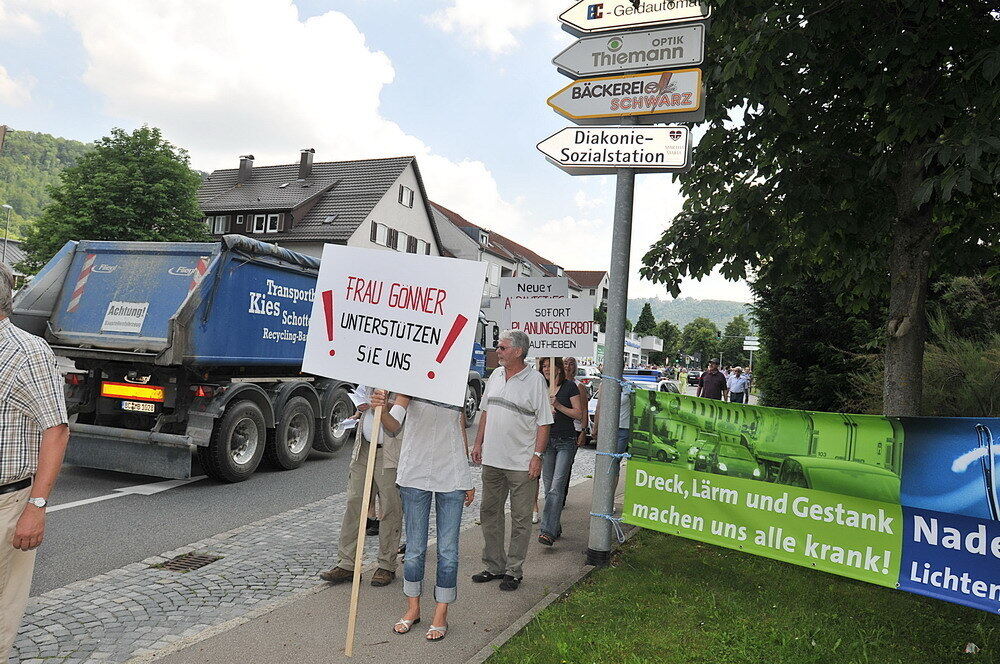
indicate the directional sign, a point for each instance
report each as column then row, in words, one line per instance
column 601, row 150
column 751, row 339
column 678, row 46
column 588, row 17
column 659, row 93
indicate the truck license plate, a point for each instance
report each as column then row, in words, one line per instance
column 139, row 407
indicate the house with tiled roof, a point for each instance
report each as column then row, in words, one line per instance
column 11, row 253
column 469, row 240
column 373, row 203
column 593, row 283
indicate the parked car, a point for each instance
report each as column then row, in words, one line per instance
column 650, row 379
column 693, row 376
column 589, row 376
column 723, row 456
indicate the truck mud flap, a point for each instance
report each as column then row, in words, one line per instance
column 128, row 451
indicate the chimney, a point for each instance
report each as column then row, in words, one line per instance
column 306, row 163
column 246, row 166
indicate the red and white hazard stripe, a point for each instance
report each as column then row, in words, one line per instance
column 88, row 265
column 199, row 273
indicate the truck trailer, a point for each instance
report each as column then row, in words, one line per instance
column 184, row 349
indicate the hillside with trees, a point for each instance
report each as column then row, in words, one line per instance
column 683, row 310
column 30, row 163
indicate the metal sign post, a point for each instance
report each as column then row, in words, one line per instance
column 603, row 499
column 648, row 89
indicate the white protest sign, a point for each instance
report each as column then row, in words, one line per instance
column 521, row 288
column 559, row 326
column 402, row 322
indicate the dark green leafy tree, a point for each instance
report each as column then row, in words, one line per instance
column 859, row 138
column 701, row 337
column 814, row 347
column 601, row 318
column 731, row 346
column 129, row 186
column 671, row 336
column 969, row 304
column 628, row 325
column 646, row 325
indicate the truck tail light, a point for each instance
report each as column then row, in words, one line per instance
column 75, row 379
column 207, row 391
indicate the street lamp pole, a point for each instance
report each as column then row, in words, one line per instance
column 6, row 233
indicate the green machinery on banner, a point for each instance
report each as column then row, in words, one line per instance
column 830, row 491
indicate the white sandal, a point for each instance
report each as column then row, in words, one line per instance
column 432, row 628
column 408, row 624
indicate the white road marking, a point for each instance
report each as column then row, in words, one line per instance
column 137, row 490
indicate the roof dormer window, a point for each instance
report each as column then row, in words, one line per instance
column 405, row 196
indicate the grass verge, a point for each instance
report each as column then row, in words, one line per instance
column 668, row 599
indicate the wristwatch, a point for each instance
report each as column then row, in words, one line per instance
column 38, row 502
column 538, row 454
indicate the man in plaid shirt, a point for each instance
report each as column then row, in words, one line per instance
column 33, row 437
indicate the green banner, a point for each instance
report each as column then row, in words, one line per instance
column 910, row 503
column 835, row 533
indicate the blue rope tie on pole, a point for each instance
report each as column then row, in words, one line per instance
column 615, row 455
column 627, row 386
column 615, row 523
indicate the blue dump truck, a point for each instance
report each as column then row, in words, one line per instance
column 190, row 348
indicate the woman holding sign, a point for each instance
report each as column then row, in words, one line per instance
column 433, row 467
column 557, row 462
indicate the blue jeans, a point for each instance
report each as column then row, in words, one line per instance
column 417, row 514
column 556, row 466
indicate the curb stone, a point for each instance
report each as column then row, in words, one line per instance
column 493, row 646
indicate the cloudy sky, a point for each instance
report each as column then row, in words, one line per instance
column 461, row 84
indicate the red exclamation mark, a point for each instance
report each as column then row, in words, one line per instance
column 456, row 329
column 328, row 310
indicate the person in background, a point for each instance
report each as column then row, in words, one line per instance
column 712, row 383
column 557, row 463
column 33, row 438
column 738, row 385
column 433, row 468
column 682, row 380
column 510, row 442
column 623, row 432
column 580, row 425
column 391, row 525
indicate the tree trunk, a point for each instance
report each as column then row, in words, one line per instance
column 912, row 236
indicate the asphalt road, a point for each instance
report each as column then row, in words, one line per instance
column 86, row 540
column 91, row 539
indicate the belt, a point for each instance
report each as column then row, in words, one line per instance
column 15, row 486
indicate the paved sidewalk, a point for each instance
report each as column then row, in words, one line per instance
column 142, row 611
column 312, row 629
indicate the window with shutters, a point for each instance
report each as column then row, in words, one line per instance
column 411, row 245
column 392, row 238
column 402, row 239
column 259, row 223
column 405, row 196
column 273, row 223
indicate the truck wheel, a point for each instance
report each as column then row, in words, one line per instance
column 471, row 403
column 293, row 435
column 342, row 408
column 237, row 443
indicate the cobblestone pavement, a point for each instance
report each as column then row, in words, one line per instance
column 137, row 610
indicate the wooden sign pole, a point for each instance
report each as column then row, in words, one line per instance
column 552, row 376
column 352, row 615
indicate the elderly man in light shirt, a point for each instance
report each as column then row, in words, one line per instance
column 738, row 384
column 513, row 432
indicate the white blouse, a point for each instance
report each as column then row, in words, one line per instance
column 433, row 457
